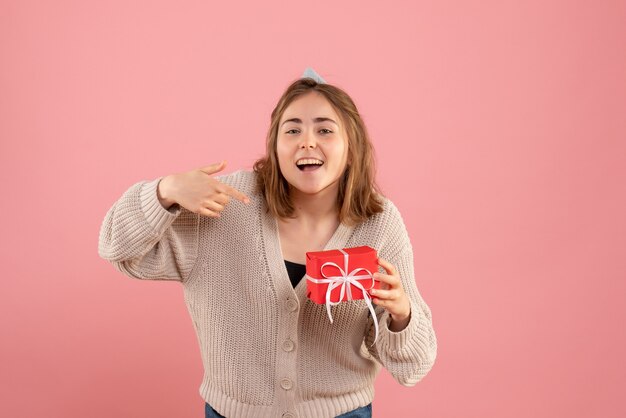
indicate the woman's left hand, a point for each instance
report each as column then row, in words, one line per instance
column 391, row 296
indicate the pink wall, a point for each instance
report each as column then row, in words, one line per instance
column 500, row 134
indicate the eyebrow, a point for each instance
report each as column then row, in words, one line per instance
column 316, row 120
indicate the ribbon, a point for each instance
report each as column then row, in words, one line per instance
column 344, row 280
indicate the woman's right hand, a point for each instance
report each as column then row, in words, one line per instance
column 198, row 192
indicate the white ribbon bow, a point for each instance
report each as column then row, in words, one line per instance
column 344, row 280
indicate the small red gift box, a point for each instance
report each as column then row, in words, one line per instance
column 337, row 268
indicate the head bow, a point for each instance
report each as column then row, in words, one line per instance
column 310, row 73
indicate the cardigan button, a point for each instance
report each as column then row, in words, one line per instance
column 291, row 305
column 288, row 345
column 286, row 384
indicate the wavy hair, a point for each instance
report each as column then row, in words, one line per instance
column 359, row 197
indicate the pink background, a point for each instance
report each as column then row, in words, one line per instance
column 500, row 134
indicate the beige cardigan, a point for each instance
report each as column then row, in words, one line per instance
column 267, row 350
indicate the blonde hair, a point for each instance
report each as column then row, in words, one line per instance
column 359, row 196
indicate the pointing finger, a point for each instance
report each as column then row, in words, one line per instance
column 231, row 191
column 222, row 198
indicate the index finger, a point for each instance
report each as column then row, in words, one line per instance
column 392, row 281
column 232, row 192
column 388, row 267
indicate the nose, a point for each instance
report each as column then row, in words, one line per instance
column 308, row 140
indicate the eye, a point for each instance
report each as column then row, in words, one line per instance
column 327, row 130
column 290, row 130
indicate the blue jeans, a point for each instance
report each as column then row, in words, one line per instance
column 363, row 412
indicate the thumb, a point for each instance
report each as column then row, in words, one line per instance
column 213, row 168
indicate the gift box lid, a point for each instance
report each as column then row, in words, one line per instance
column 364, row 249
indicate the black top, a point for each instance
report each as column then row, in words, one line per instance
column 296, row 272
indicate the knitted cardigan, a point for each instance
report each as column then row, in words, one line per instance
column 267, row 350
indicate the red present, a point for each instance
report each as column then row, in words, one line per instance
column 348, row 272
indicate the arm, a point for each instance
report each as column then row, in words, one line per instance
column 406, row 345
column 144, row 240
column 409, row 353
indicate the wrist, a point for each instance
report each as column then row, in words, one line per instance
column 164, row 192
column 399, row 322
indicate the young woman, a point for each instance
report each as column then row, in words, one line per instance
column 237, row 245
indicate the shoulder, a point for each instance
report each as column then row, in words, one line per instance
column 387, row 229
column 389, row 217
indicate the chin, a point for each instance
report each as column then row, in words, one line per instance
column 305, row 188
column 310, row 188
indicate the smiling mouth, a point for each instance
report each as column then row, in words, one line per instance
column 309, row 164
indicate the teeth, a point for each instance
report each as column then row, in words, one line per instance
column 304, row 161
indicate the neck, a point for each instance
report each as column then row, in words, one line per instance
column 315, row 208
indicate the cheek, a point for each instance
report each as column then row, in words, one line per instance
column 340, row 153
column 283, row 153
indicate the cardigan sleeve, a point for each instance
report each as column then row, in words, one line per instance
column 143, row 240
column 409, row 354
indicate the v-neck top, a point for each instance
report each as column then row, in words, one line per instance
column 296, row 271
column 268, row 350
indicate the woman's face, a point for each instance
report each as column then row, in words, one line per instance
column 312, row 146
